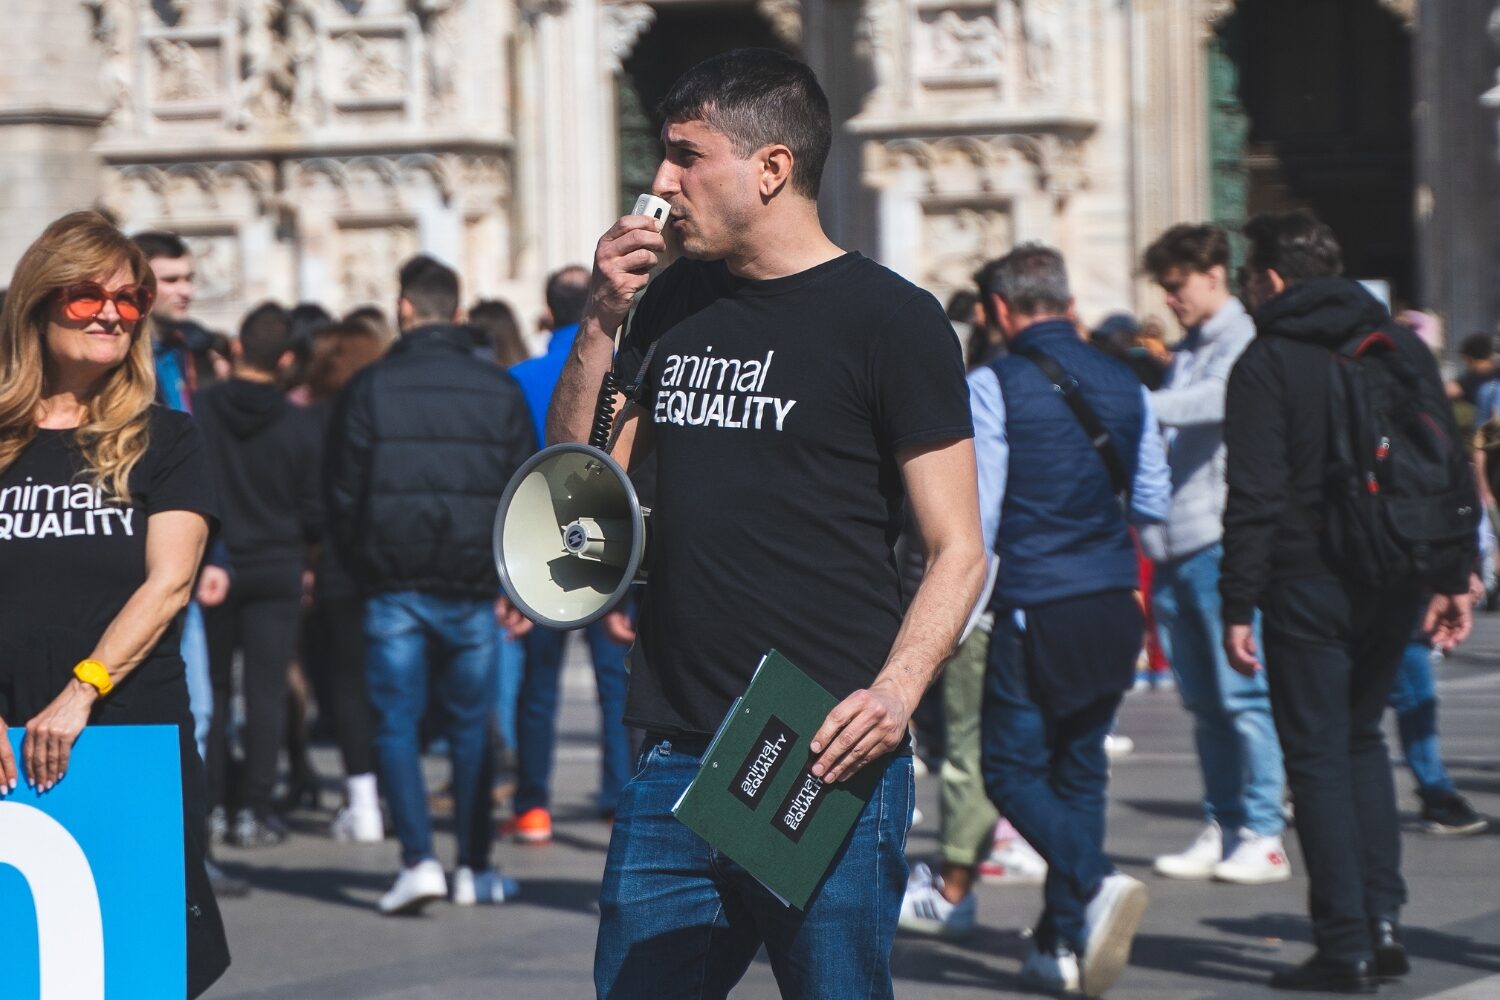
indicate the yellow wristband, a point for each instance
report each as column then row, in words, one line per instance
column 95, row 674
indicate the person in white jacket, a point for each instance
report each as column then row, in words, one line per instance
column 1238, row 752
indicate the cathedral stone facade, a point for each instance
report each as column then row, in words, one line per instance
column 306, row 147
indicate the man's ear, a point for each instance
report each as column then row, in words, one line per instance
column 1218, row 275
column 1276, row 281
column 286, row 361
column 405, row 313
column 776, row 162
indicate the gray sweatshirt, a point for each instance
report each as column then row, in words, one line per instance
column 1190, row 408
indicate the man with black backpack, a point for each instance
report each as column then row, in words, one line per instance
column 1349, row 498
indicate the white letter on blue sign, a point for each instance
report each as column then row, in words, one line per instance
column 69, row 928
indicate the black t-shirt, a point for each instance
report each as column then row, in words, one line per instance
column 71, row 556
column 779, row 408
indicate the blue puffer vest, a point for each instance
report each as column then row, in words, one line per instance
column 1062, row 532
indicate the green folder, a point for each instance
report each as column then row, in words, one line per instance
column 755, row 798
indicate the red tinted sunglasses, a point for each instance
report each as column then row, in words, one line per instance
column 85, row 301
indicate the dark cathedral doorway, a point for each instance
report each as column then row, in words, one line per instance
column 1312, row 107
column 681, row 36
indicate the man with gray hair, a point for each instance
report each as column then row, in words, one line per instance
column 1069, row 454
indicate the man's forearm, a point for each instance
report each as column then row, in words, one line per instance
column 571, row 412
column 929, row 632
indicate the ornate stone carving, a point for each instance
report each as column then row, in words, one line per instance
column 958, row 238
column 875, row 34
column 217, row 267
column 785, row 17
column 182, row 75
column 269, row 77
column 372, row 66
column 367, row 260
column 1044, row 25
column 623, row 25
column 966, row 45
column 440, row 23
column 114, row 29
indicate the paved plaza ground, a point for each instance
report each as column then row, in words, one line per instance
column 309, row 931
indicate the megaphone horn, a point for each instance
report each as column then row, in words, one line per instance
column 570, row 536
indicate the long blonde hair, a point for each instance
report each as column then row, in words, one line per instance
column 80, row 246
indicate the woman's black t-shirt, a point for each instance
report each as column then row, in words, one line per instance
column 779, row 410
column 71, row 556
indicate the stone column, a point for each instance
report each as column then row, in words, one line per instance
column 1169, row 119
column 1458, row 174
column 52, row 105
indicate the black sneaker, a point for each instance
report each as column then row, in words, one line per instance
column 1321, row 974
column 1451, row 815
column 1390, row 952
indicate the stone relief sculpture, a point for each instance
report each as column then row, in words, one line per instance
column 875, row 43
column 964, row 45
column 623, row 25
column 267, row 76
column 440, row 23
column 372, row 67
column 1043, row 22
column 113, row 28
column 180, row 72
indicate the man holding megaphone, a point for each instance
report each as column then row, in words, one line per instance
column 796, row 397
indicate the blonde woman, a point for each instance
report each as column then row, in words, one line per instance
column 105, row 508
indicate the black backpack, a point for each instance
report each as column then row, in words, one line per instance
column 1403, row 508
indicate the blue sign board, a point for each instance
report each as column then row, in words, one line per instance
column 91, row 873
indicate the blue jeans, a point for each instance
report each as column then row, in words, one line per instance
column 536, row 716
column 680, row 921
column 1238, row 752
column 404, row 631
column 1047, row 775
column 200, row 688
column 1414, row 697
column 510, row 660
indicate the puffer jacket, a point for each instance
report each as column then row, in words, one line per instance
column 420, row 448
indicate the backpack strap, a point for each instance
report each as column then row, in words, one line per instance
column 1067, row 386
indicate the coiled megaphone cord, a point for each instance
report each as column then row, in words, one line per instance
column 602, row 434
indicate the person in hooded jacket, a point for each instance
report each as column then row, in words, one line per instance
column 1332, row 642
column 265, row 455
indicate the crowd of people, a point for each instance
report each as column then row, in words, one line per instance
column 288, row 531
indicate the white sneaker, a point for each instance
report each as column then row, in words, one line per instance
column 488, row 887
column 1013, row 862
column 422, row 883
column 1050, row 973
column 358, row 826
column 925, row 911
column 1256, row 861
column 1198, row 861
column 1109, row 925
column 1117, row 747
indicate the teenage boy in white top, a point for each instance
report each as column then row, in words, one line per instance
column 1238, row 752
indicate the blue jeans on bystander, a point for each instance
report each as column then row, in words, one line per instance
column 406, row 631
column 1238, row 752
column 1414, row 697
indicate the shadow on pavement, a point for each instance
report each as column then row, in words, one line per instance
column 1421, row 943
column 1170, row 808
column 1205, row 959
column 327, row 885
column 969, row 961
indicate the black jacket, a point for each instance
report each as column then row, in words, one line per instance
column 420, row 448
column 264, row 453
column 1276, row 427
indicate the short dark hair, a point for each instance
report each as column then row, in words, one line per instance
column 1478, row 347
column 567, row 291
column 156, row 243
column 1032, row 279
column 1194, row 248
column 305, row 320
column 1296, row 245
column 265, row 335
column 757, row 97
column 431, row 287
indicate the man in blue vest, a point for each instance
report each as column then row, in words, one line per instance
column 1054, row 501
